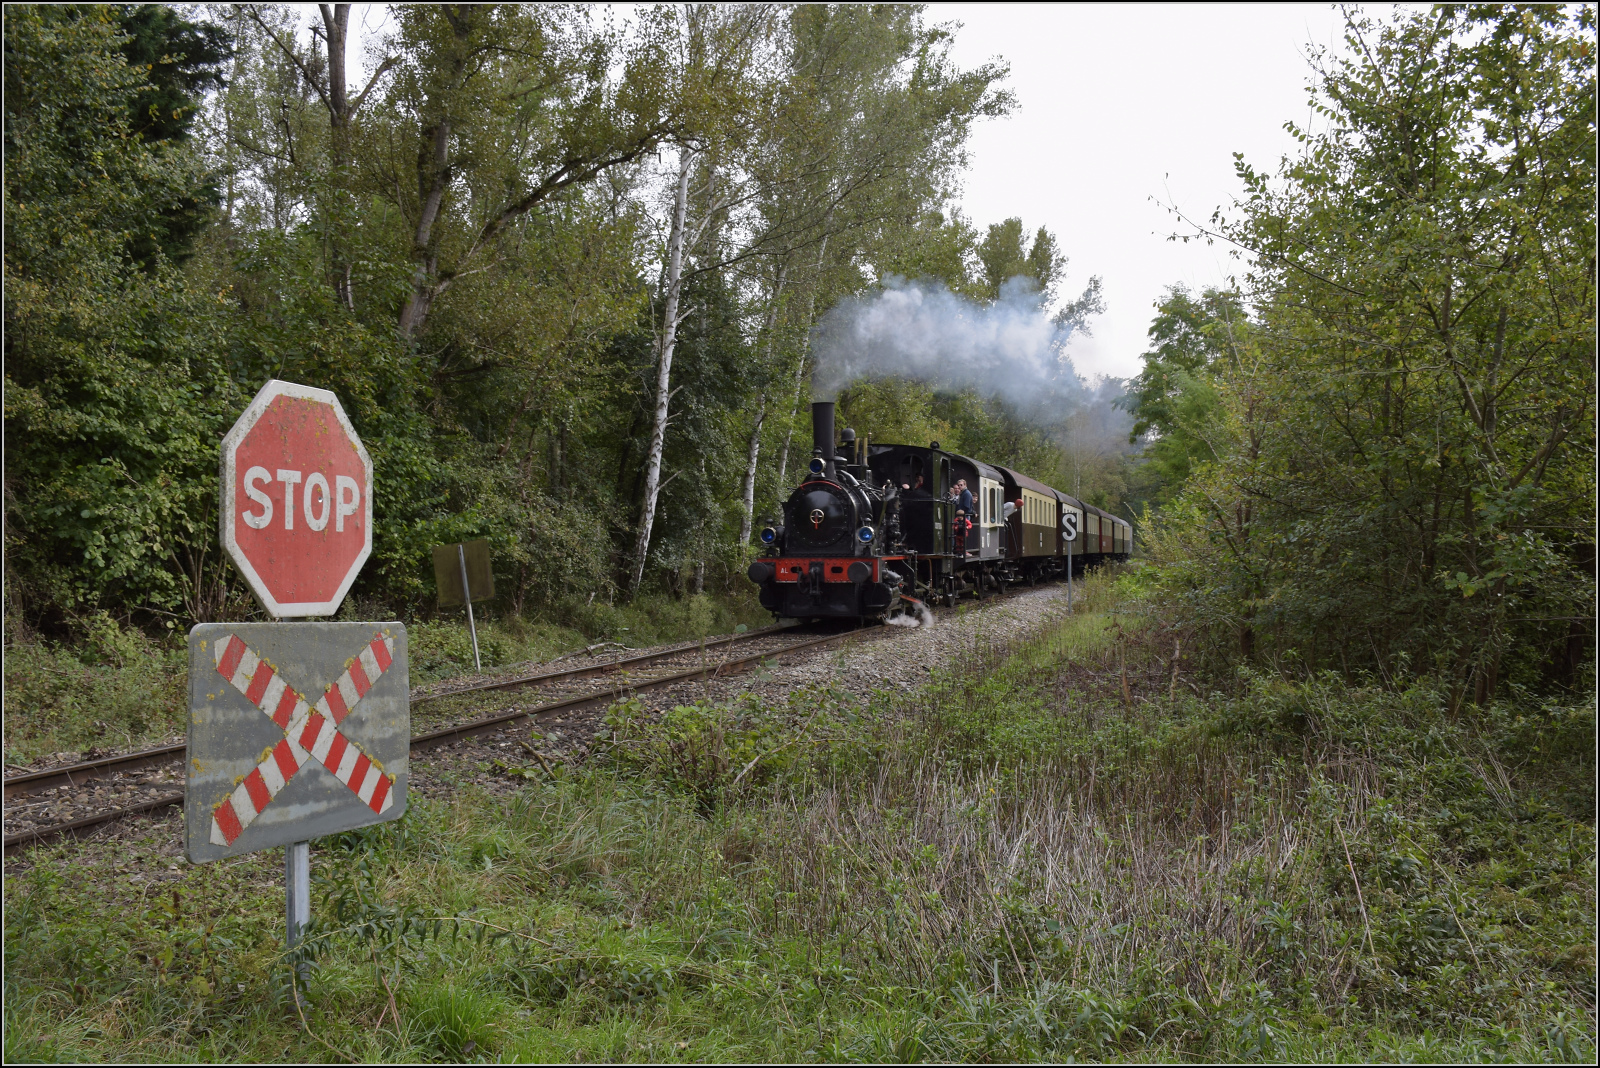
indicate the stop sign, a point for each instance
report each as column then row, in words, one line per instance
column 296, row 499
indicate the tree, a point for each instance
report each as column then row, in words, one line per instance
column 1409, row 484
column 113, row 399
column 1174, row 400
column 181, row 61
column 862, row 113
column 498, row 109
column 1004, row 256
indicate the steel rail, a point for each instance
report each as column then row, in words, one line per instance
column 73, row 774
column 15, row 843
column 589, row 670
column 491, row 724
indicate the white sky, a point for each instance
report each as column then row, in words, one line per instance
column 1121, row 103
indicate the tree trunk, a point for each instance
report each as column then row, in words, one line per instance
column 665, row 344
column 747, row 519
column 336, row 21
column 433, row 177
column 800, row 371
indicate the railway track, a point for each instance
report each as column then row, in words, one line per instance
column 556, row 690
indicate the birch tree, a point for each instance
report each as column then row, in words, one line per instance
column 666, row 340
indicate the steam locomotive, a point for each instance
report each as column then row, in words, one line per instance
column 872, row 530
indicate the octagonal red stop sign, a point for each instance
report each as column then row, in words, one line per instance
column 296, row 499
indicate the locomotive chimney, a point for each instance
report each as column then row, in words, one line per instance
column 822, row 432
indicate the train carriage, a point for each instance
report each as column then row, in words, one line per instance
column 988, row 540
column 1033, row 519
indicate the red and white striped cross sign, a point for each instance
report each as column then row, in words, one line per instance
column 311, row 731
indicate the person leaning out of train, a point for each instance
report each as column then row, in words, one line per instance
column 917, row 492
column 963, row 498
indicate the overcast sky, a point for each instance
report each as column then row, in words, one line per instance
column 1119, row 104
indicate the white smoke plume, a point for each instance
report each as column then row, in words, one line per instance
column 923, row 617
column 1011, row 349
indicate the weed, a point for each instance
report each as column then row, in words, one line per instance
column 454, row 1021
column 118, row 689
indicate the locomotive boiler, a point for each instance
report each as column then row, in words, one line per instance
column 832, row 555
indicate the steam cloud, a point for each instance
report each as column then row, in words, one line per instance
column 923, row 618
column 1010, row 349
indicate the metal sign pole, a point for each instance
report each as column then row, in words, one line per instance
column 297, row 901
column 466, row 593
column 296, row 897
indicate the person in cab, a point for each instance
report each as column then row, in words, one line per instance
column 963, row 520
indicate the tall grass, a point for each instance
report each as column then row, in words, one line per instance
column 116, row 688
column 1026, row 860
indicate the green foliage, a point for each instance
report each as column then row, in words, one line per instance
column 1174, row 400
column 1399, row 460
column 181, row 61
column 894, row 410
column 443, row 648
column 115, row 393
column 1004, row 257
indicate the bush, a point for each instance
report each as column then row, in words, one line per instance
column 117, row 688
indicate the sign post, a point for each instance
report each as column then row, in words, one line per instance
column 297, row 889
column 472, row 623
column 1069, row 525
column 295, row 729
column 462, row 572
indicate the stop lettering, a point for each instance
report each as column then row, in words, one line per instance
column 296, row 499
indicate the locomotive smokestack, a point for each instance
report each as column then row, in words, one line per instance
column 822, row 431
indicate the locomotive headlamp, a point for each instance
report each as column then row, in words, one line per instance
column 768, row 535
column 866, row 534
column 817, row 466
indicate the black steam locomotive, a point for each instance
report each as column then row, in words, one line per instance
column 873, row 530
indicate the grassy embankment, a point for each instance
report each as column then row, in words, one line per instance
column 117, row 688
column 1023, row 861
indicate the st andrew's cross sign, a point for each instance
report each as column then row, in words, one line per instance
column 296, row 730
